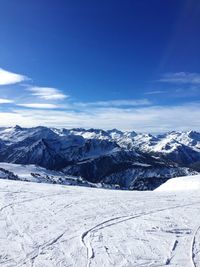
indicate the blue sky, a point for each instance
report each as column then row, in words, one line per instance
column 132, row 65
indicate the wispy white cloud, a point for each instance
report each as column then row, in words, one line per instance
column 156, row 92
column 47, row 93
column 126, row 114
column 115, row 103
column 5, row 101
column 154, row 119
column 181, row 78
column 7, row 77
column 38, row 105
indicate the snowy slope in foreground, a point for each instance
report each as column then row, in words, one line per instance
column 44, row 225
column 181, row 184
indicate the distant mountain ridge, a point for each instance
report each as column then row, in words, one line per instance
column 127, row 159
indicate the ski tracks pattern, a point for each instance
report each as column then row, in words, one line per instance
column 85, row 237
column 195, row 249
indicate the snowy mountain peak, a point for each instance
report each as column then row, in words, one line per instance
column 18, row 128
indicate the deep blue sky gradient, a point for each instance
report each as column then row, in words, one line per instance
column 99, row 49
column 103, row 50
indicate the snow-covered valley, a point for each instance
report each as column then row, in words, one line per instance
column 46, row 225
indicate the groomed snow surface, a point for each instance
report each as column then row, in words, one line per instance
column 185, row 183
column 46, row 225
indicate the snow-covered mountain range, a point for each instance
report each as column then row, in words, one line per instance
column 126, row 159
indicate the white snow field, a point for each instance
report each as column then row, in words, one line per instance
column 44, row 225
column 185, row 183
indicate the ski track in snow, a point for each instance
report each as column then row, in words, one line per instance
column 195, row 251
column 117, row 220
column 45, row 225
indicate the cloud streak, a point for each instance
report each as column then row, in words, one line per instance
column 115, row 103
column 155, row 92
column 38, row 105
column 153, row 119
column 181, row 78
column 47, row 93
column 7, row 77
column 5, row 101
